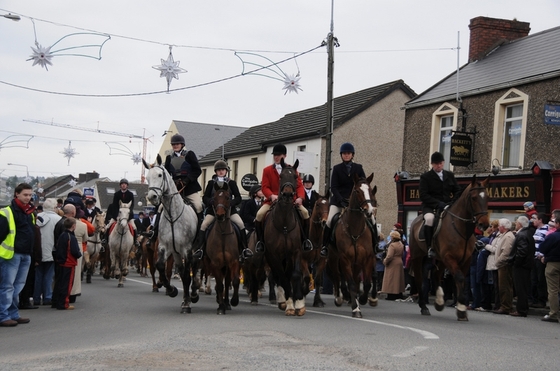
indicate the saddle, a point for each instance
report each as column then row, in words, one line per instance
column 115, row 224
column 236, row 230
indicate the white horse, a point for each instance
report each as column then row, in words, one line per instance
column 176, row 232
column 94, row 244
column 120, row 244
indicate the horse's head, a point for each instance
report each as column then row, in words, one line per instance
column 99, row 222
column 288, row 180
column 158, row 181
column 124, row 212
column 320, row 212
column 363, row 196
column 221, row 201
column 478, row 201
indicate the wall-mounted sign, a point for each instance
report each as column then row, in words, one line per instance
column 248, row 181
column 88, row 192
column 551, row 114
column 461, row 147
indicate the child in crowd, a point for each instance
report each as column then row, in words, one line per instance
column 68, row 252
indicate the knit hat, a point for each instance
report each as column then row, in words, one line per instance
column 398, row 225
column 529, row 205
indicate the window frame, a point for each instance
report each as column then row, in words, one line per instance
column 445, row 110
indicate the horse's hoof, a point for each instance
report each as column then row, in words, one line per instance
column 362, row 300
column 117, row 276
column 120, row 285
column 338, row 302
column 185, row 310
column 155, row 289
column 462, row 315
column 282, row 306
column 194, row 299
column 159, row 285
column 234, row 301
column 438, row 307
column 300, row 312
column 228, row 307
column 172, row 292
column 254, row 303
column 318, row 304
column 373, row 301
column 290, row 312
column 106, row 277
column 88, row 280
column 273, row 302
column 207, row 291
column 425, row 312
column 357, row 314
column 220, row 311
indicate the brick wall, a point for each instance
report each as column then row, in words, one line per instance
column 487, row 33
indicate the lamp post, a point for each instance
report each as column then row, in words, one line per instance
column 13, row 17
column 26, row 169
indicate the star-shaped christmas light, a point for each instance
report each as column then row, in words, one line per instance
column 69, row 152
column 169, row 69
column 41, row 56
column 291, row 84
column 136, row 158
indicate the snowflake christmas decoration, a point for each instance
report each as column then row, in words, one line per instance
column 69, row 152
column 136, row 158
column 291, row 84
column 72, row 182
column 169, row 69
column 41, row 56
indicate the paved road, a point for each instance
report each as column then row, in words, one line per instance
column 132, row 328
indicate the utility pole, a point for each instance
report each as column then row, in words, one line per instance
column 331, row 41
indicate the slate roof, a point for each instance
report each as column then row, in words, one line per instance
column 531, row 58
column 309, row 123
column 203, row 138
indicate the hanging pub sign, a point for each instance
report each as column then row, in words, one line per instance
column 551, row 114
column 461, row 147
column 248, row 181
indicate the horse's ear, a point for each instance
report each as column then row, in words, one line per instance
column 282, row 163
column 486, row 182
column 296, row 164
column 158, row 159
column 356, row 178
column 328, row 194
column 374, row 190
column 370, row 178
column 146, row 165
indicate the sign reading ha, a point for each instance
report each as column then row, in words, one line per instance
column 551, row 114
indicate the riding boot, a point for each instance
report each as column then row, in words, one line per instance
column 155, row 230
column 306, row 243
column 428, row 232
column 135, row 236
column 326, row 241
column 374, row 236
column 198, row 245
column 259, row 229
column 245, row 252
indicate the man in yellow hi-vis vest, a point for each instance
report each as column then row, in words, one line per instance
column 17, row 236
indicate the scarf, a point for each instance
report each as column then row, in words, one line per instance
column 26, row 208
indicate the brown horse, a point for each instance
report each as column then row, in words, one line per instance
column 254, row 271
column 454, row 243
column 352, row 255
column 222, row 252
column 318, row 221
column 94, row 244
column 282, row 239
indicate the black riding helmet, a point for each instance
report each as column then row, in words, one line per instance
column 177, row 139
column 254, row 189
column 308, row 178
column 221, row 164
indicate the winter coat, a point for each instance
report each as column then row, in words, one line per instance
column 393, row 279
column 523, row 249
column 46, row 221
column 271, row 184
column 67, row 250
column 550, row 247
column 342, row 182
column 433, row 190
column 503, row 249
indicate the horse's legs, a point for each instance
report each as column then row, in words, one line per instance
column 366, row 277
column 318, row 267
column 296, row 283
column 234, row 273
column 219, row 290
column 170, row 290
column 459, row 276
column 271, row 289
column 417, row 266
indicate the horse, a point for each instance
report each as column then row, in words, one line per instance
column 454, row 242
column 120, row 244
column 254, row 272
column 353, row 255
column 222, row 252
column 177, row 230
column 94, row 244
column 283, row 250
column 318, row 222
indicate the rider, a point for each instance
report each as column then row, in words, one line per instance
column 126, row 196
column 437, row 188
column 221, row 169
column 342, row 183
column 310, row 195
column 270, row 189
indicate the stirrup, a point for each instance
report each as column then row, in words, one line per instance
column 246, row 254
column 259, row 247
column 307, row 245
column 324, row 251
column 198, row 254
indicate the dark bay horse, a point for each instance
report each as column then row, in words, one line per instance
column 282, row 239
column 454, row 243
column 222, row 252
column 177, row 230
column 318, row 222
column 351, row 258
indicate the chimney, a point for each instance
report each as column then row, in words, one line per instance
column 488, row 33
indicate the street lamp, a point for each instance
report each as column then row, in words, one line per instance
column 13, row 17
column 27, row 178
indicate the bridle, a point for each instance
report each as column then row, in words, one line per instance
column 164, row 192
column 475, row 215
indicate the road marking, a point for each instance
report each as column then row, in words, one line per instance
column 425, row 334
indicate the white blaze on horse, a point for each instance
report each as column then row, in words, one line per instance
column 121, row 241
column 177, row 230
column 94, row 244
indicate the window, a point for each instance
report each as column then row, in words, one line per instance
column 510, row 127
column 235, row 170
column 301, row 148
column 254, row 165
column 444, row 121
column 204, row 181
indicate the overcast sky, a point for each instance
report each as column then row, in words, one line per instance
column 380, row 41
